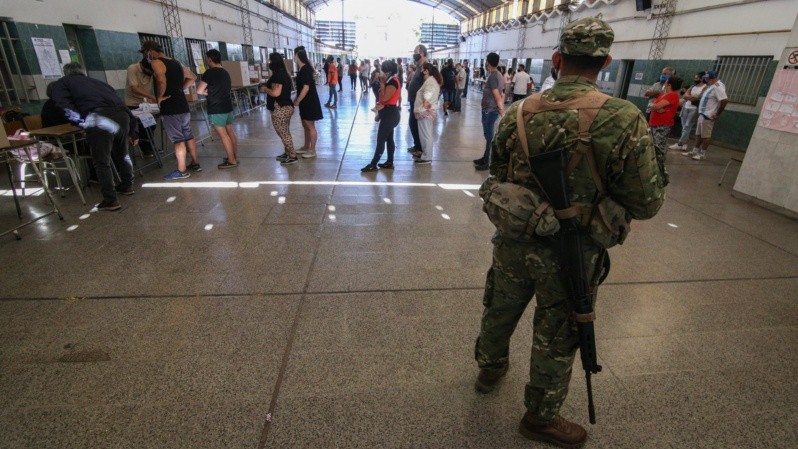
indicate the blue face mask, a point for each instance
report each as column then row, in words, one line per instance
column 663, row 78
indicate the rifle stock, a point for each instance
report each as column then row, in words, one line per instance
column 549, row 168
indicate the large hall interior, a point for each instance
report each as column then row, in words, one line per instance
column 318, row 305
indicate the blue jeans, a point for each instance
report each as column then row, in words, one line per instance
column 489, row 118
column 457, row 100
column 689, row 118
column 448, row 95
column 333, row 98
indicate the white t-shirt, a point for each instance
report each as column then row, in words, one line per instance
column 710, row 101
column 548, row 83
column 521, row 80
column 461, row 84
column 694, row 92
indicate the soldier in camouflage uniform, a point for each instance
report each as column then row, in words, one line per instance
column 622, row 144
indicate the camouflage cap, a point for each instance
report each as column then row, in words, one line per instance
column 590, row 36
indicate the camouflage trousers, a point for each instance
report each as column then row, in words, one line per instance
column 660, row 134
column 520, row 271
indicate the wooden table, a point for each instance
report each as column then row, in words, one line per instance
column 26, row 146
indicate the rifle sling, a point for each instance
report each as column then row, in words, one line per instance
column 585, row 317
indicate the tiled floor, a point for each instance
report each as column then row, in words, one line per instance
column 313, row 306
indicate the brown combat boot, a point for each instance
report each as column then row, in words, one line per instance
column 559, row 432
column 488, row 378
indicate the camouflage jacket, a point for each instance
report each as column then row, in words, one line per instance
column 621, row 142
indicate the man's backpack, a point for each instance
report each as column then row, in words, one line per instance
column 521, row 213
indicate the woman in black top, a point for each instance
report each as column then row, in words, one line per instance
column 307, row 98
column 278, row 101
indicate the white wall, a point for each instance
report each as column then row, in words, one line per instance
column 769, row 169
column 200, row 19
column 701, row 29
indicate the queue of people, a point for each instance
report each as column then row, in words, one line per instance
column 160, row 80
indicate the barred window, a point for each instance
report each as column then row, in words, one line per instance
column 166, row 42
column 742, row 76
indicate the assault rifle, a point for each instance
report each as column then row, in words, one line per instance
column 549, row 170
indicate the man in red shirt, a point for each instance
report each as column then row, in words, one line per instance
column 663, row 111
column 332, row 81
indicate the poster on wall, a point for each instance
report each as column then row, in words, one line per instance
column 780, row 111
column 199, row 63
column 48, row 57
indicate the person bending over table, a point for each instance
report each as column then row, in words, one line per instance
column 94, row 105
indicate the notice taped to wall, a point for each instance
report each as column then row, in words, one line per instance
column 48, row 58
column 780, row 111
column 199, row 63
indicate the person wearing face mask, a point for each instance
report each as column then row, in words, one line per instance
column 390, row 94
column 419, row 58
column 278, row 89
column 712, row 104
column 308, row 101
column 170, row 80
column 425, row 110
column 658, row 88
column 689, row 115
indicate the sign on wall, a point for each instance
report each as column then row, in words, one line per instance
column 780, row 111
column 199, row 63
column 48, row 57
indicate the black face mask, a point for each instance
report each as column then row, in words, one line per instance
column 416, row 57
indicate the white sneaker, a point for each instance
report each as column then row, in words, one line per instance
column 676, row 146
column 699, row 157
column 690, row 153
column 308, row 155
